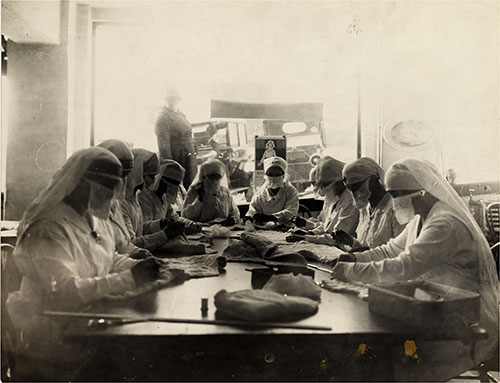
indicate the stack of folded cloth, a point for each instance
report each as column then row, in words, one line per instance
column 256, row 248
column 197, row 266
column 181, row 246
column 337, row 286
column 285, row 297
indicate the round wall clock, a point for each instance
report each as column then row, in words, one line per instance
column 408, row 135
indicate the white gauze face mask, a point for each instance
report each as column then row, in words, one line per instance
column 275, row 182
column 121, row 193
column 362, row 195
column 210, row 186
column 329, row 193
column 100, row 200
column 171, row 193
column 403, row 207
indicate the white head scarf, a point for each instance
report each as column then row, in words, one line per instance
column 209, row 167
column 275, row 161
column 280, row 163
column 429, row 179
column 361, row 169
column 136, row 176
column 121, row 150
column 63, row 182
column 329, row 170
column 169, row 169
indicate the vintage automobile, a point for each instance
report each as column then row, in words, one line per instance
column 305, row 142
column 226, row 141
column 301, row 123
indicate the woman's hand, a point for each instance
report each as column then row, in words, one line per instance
column 193, row 228
column 229, row 221
column 299, row 221
column 179, row 275
column 141, row 254
column 301, row 232
column 174, row 229
column 261, row 217
column 342, row 237
column 338, row 273
column 145, row 271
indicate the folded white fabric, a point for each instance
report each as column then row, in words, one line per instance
column 297, row 285
column 263, row 305
column 217, row 231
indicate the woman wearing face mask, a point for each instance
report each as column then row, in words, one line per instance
column 442, row 243
column 377, row 223
column 150, row 169
column 121, row 234
column 208, row 199
column 277, row 199
column 338, row 213
column 150, row 235
column 157, row 204
column 66, row 254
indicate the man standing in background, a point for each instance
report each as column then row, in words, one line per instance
column 174, row 135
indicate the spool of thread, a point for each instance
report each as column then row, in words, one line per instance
column 204, row 305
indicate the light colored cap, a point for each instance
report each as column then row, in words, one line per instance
column 329, row 170
column 213, row 166
column 121, row 150
column 361, row 169
column 152, row 165
column 399, row 177
column 275, row 161
column 172, row 169
column 169, row 169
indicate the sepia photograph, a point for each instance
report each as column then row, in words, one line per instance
column 224, row 191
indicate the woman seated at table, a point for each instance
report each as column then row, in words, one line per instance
column 65, row 252
column 277, row 200
column 441, row 243
column 157, row 202
column 339, row 212
column 208, row 199
column 121, row 234
column 149, row 235
column 377, row 223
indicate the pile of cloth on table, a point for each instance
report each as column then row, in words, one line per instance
column 198, row 266
column 337, row 286
column 285, row 297
column 256, row 248
column 183, row 246
column 259, row 248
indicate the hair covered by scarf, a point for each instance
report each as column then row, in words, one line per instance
column 63, row 182
column 362, row 169
column 120, row 149
column 210, row 167
column 275, row 161
column 329, row 170
column 169, row 169
column 420, row 174
column 213, row 166
column 136, row 176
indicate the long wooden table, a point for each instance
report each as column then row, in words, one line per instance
column 358, row 346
